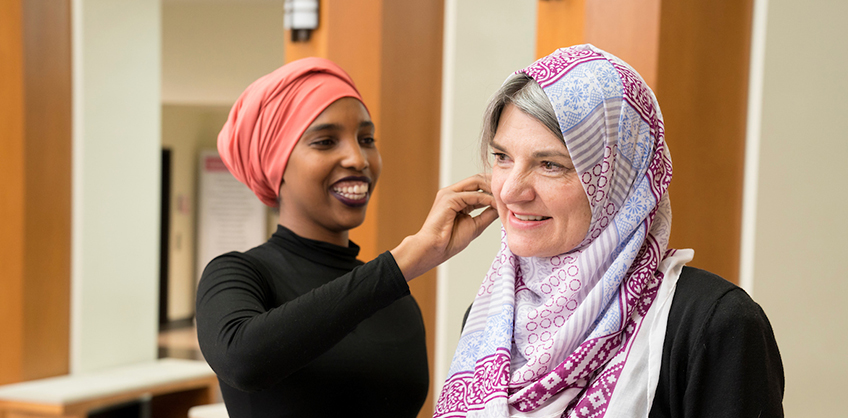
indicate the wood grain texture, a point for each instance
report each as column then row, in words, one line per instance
column 629, row 29
column 47, row 49
column 12, row 215
column 559, row 24
column 36, row 189
column 702, row 88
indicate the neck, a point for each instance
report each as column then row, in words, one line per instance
column 339, row 238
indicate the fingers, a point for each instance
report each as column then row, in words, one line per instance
column 472, row 184
column 451, row 208
column 472, row 200
column 466, row 195
column 466, row 228
column 483, row 220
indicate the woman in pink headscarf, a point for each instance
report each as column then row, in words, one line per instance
column 585, row 311
column 298, row 327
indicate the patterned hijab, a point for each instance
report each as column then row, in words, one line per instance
column 576, row 334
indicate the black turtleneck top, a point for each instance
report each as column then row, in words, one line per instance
column 301, row 328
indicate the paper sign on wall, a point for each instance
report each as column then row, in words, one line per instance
column 230, row 216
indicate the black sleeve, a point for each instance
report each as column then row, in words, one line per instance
column 251, row 344
column 722, row 359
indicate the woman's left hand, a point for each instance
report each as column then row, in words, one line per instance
column 449, row 226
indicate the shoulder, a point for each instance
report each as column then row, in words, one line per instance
column 229, row 263
column 249, row 267
column 701, row 294
column 254, row 259
column 696, row 285
column 720, row 357
column 707, row 309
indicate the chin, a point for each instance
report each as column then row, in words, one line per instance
column 352, row 223
column 524, row 250
column 530, row 250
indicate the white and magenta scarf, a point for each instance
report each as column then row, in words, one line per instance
column 580, row 334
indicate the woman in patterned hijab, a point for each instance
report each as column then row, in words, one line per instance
column 585, row 311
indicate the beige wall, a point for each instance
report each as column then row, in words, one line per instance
column 185, row 131
column 115, row 186
column 478, row 56
column 800, row 242
column 212, row 50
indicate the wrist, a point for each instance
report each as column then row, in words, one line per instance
column 409, row 256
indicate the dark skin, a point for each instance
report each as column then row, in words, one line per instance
column 332, row 172
column 335, row 155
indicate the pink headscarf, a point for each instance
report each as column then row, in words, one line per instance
column 268, row 119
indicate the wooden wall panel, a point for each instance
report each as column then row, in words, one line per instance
column 559, row 24
column 411, row 79
column 47, row 48
column 702, row 88
column 393, row 51
column 629, row 29
column 35, row 192
column 11, row 191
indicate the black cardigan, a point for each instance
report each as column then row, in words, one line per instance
column 720, row 357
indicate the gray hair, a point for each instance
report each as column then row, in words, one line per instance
column 523, row 92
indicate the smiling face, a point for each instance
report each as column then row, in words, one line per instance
column 331, row 174
column 539, row 198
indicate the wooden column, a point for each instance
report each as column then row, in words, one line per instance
column 629, row 29
column 694, row 55
column 11, row 192
column 702, row 86
column 559, row 24
column 35, row 192
column 393, row 51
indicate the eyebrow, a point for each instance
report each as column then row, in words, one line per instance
column 537, row 154
column 547, row 154
column 337, row 127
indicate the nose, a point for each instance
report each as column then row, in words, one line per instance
column 354, row 156
column 517, row 188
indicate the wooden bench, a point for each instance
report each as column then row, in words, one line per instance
column 172, row 386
